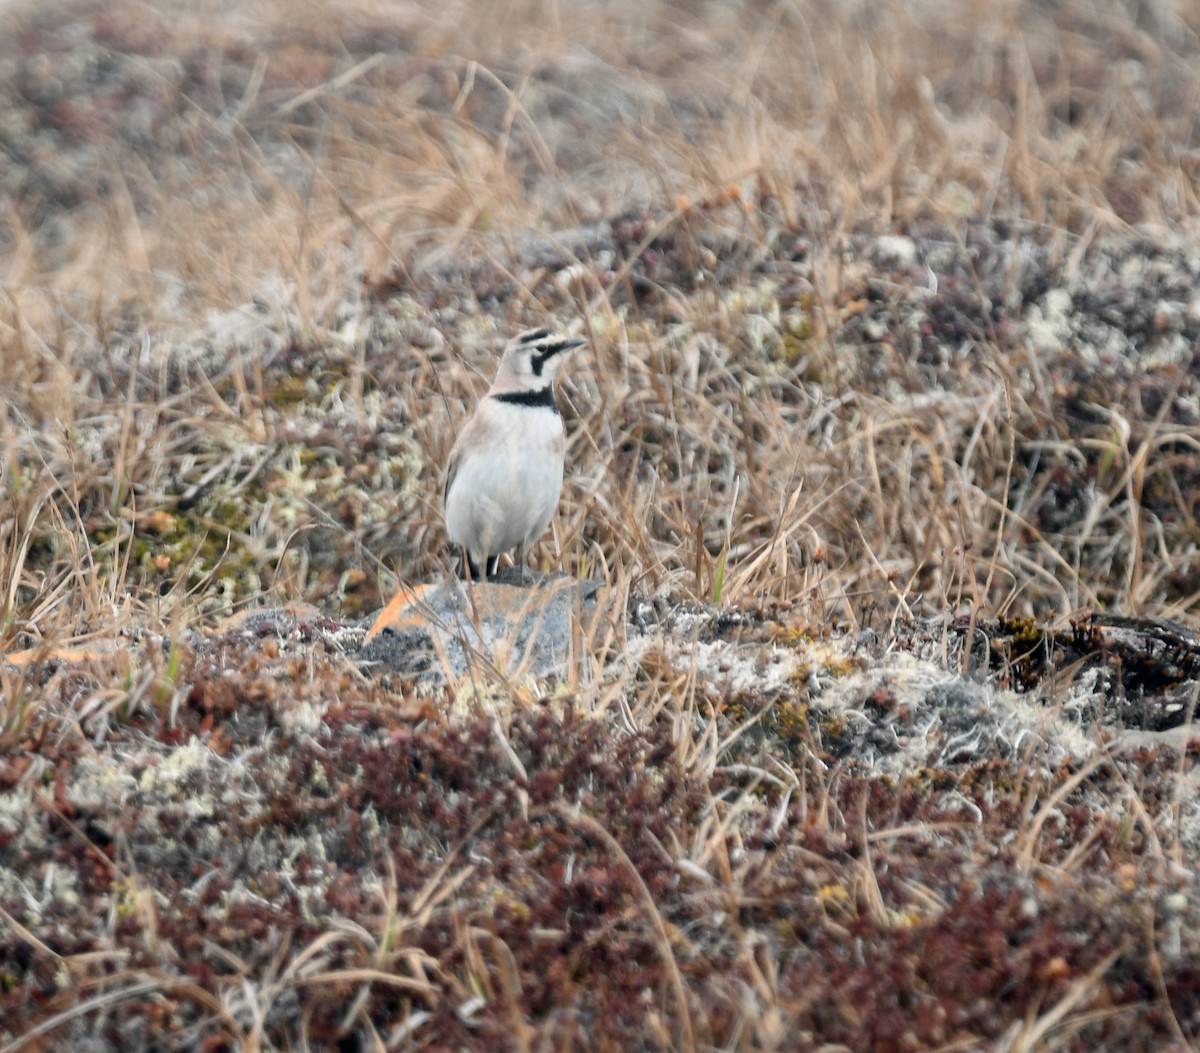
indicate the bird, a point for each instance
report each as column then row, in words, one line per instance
column 505, row 471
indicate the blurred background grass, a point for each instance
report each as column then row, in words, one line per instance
column 178, row 156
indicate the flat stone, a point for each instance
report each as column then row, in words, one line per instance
column 502, row 627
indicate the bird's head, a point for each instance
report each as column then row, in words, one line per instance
column 532, row 359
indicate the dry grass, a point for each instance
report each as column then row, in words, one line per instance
column 255, row 267
column 194, row 199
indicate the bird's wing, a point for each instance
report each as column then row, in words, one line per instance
column 451, row 472
column 468, row 437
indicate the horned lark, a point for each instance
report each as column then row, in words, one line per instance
column 506, row 469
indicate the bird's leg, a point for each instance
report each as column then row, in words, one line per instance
column 493, row 566
column 471, row 566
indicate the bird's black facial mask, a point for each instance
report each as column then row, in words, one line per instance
column 543, row 354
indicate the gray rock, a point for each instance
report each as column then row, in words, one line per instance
column 502, row 627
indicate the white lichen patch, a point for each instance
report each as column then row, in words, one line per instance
column 894, row 250
column 163, row 778
column 943, row 718
column 177, row 776
column 57, row 887
column 1047, row 324
column 15, row 809
column 762, row 667
column 99, row 783
column 475, row 695
column 893, row 712
column 304, row 716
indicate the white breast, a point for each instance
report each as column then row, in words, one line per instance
column 508, row 481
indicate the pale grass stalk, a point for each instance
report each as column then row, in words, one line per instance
column 1060, row 1024
column 591, row 828
column 1030, row 831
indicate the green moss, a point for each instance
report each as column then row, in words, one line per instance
column 292, row 390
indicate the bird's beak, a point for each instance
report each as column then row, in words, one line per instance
column 559, row 349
